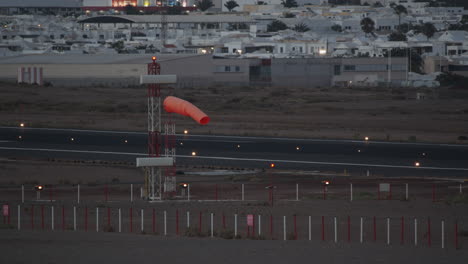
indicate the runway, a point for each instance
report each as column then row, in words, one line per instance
column 354, row 156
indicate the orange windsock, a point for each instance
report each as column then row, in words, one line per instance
column 176, row 105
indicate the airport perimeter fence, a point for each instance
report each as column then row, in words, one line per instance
column 433, row 232
column 305, row 191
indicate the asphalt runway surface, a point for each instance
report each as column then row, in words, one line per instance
column 354, row 156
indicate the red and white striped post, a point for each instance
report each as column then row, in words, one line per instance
column 253, row 226
column 349, row 229
column 429, row 232
column 42, row 217
column 375, row 229
column 154, row 221
column 108, row 218
column 323, row 228
column 271, row 226
column 32, row 217
column 378, row 191
column 131, row 219
column 86, row 218
column 389, row 191
column 177, row 222
column 295, row 227
column 224, row 221
column 106, row 193
column 200, row 222
column 402, row 235
column 63, row 217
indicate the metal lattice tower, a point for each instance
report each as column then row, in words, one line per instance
column 155, row 175
column 153, row 178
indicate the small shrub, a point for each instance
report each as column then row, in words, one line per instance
column 291, row 236
column 463, row 233
column 194, row 232
column 109, row 229
column 226, row 234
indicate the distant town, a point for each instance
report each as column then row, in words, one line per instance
column 341, row 43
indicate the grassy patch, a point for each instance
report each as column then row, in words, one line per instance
column 456, row 199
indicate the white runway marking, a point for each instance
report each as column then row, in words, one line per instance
column 223, row 141
column 241, row 159
column 247, row 137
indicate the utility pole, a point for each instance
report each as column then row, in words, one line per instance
column 389, row 67
column 163, row 30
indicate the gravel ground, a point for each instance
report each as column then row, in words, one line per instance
column 80, row 247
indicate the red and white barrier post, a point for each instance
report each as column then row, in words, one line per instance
column 153, row 225
column 375, row 229
column 415, row 232
column 443, row 233
column 42, row 217
column 323, row 228
column 131, row 219
column 165, row 223
column 297, row 191
column 284, row 227
column 86, row 218
column 211, row 224
column 388, row 231
column 295, row 227
column 52, row 218
column 335, row 224
column 142, row 213
column 349, row 229
column 429, row 242
column 120, row 220
column 406, row 192
column 32, row 217
column 235, row 225
column 19, row 217
column 242, row 192
column 63, row 218
column 402, row 234
column 361, row 231
column 97, row 219
column 177, row 222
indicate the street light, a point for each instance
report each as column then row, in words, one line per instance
column 21, row 124
column 366, row 138
column 194, row 153
column 417, row 164
column 185, row 131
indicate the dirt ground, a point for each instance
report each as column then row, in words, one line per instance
column 83, row 247
column 380, row 113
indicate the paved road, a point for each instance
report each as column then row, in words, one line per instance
column 384, row 158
